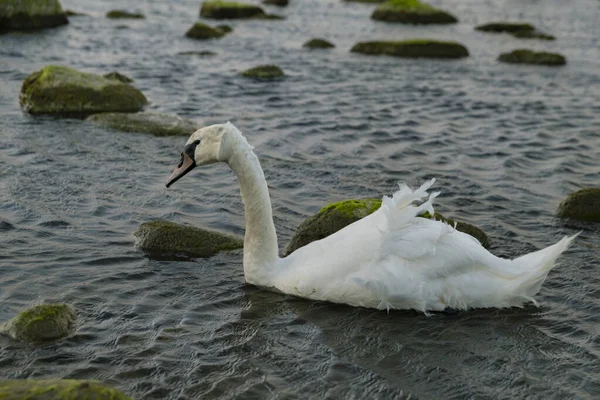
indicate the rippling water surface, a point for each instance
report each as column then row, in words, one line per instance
column 506, row 143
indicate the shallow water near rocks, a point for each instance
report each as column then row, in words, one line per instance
column 506, row 143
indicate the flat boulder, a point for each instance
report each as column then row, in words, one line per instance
column 57, row 389
column 336, row 216
column 41, row 323
column 264, row 72
column 411, row 12
column 217, row 9
column 525, row 56
column 520, row 30
column 64, row 91
column 157, row 124
column 122, row 14
column 417, row 48
column 168, row 239
column 30, row 15
column 202, row 31
column 582, row 205
column 318, row 44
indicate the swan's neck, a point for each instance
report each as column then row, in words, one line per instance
column 260, row 241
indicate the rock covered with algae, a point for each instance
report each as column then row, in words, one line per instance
column 264, row 72
column 44, row 322
column 218, row 9
column 122, row 14
column 411, row 12
column 582, row 205
column 30, row 15
column 164, row 238
column 415, row 48
column 202, row 31
column 521, row 30
column 525, row 56
column 318, row 44
column 57, row 389
column 158, row 124
column 61, row 90
column 336, row 216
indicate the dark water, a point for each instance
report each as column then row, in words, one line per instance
column 506, row 143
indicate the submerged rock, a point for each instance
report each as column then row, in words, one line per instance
column 118, row 77
column 411, row 12
column 336, row 216
column 228, row 9
column 119, row 14
column 30, row 15
column 582, row 205
column 413, row 48
column 41, row 323
column 157, row 124
column 517, row 29
column 64, row 91
column 203, row 53
column 264, row 72
column 279, row 3
column 57, row 389
column 203, row 31
column 318, row 44
column 168, row 238
column 524, row 56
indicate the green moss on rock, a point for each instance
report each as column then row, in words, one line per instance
column 57, row 389
column 118, row 77
column 524, row 56
column 41, row 323
column 203, row 53
column 582, row 205
column 202, row 31
column 217, row 9
column 121, row 14
column 411, row 12
column 30, row 15
column 64, row 91
column 166, row 238
column 157, row 124
column 416, row 48
column 517, row 29
column 318, row 44
column 336, row 216
column 264, row 72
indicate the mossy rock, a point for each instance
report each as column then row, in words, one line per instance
column 71, row 13
column 524, row 56
column 582, row 205
column 157, row 124
column 57, row 389
column 203, row 53
column 164, row 238
column 121, row 14
column 318, row 44
column 64, row 91
column 336, row 216
column 230, row 10
column 30, row 15
column 202, row 31
column 278, row 3
column 517, row 29
column 118, row 77
column 411, row 12
column 418, row 48
column 42, row 323
column 264, row 72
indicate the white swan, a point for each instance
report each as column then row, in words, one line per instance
column 391, row 259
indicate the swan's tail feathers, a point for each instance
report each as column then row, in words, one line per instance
column 399, row 209
column 536, row 265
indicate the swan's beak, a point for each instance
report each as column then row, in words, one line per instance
column 186, row 164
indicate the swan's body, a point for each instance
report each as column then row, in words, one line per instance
column 391, row 259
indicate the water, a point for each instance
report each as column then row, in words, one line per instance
column 507, row 144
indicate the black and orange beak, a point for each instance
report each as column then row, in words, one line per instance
column 186, row 163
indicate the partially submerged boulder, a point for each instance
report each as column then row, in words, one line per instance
column 525, row 56
column 264, row 72
column 411, row 12
column 416, row 48
column 518, row 29
column 57, row 389
column 30, row 15
column 118, row 77
column 336, row 216
column 318, row 44
column 121, row 14
column 218, row 9
column 582, row 205
column 157, row 124
column 279, row 3
column 202, row 31
column 203, row 53
column 41, row 323
column 64, row 91
column 164, row 238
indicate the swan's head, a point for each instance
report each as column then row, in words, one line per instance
column 202, row 148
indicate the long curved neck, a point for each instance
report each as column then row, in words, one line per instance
column 260, row 240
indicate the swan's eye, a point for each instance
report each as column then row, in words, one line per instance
column 197, row 142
